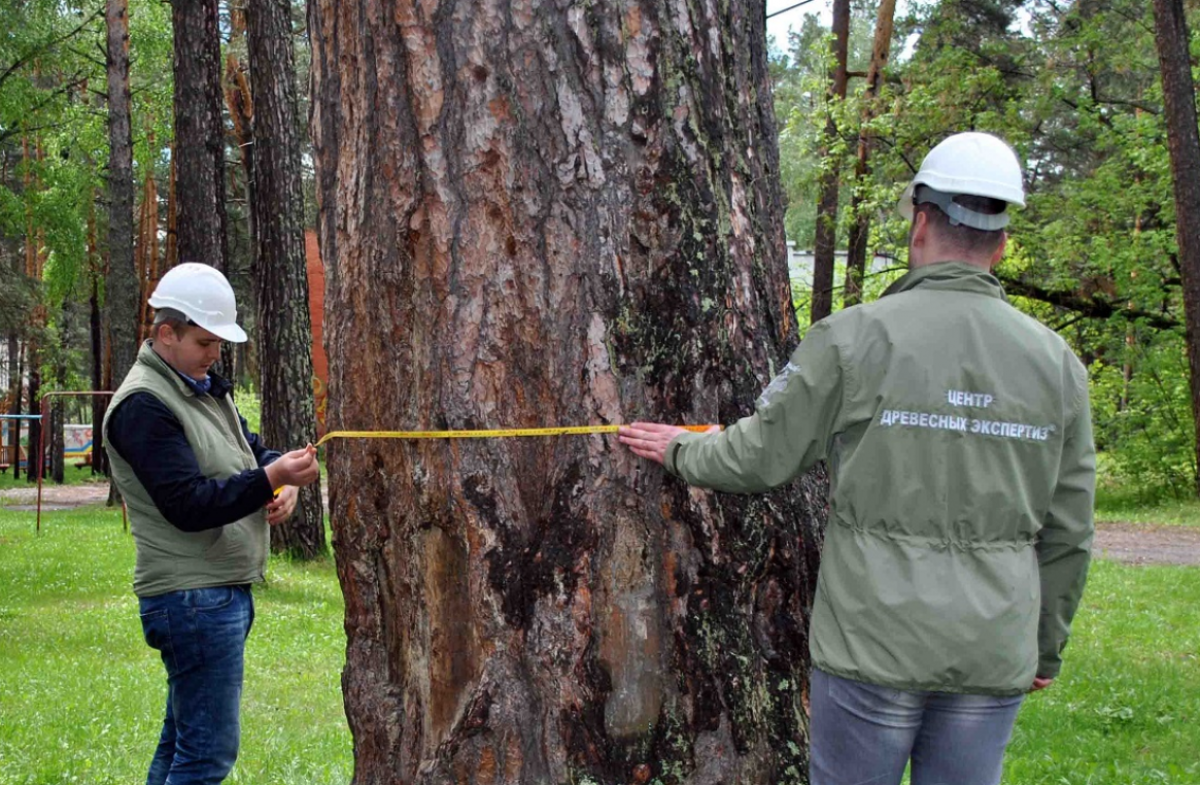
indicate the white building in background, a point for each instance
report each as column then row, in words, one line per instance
column 800, row 265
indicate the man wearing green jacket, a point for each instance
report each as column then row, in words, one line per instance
column 958, row 436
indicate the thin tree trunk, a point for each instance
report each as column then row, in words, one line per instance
column 860, row 230
column 277, row 209
column 121, row 288
column 536, row 217
column 35, row 463
column 58, row 419
column 200, row 142
column 825, row 242
column 99, row 403
column 1179, row 103
column 18, row 410
column 14, row 398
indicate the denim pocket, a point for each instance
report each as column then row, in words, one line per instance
column 214, row 598
column 156, row 629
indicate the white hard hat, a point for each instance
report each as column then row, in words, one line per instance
column 975, row 164
column 203, row 295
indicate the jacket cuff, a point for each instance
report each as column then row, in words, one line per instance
column 671, row 456
column 1049, row 668
column 260, row 480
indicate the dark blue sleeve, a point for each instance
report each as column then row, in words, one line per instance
column 151, row 439
column 264, row 456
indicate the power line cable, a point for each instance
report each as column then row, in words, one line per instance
column 789, row 8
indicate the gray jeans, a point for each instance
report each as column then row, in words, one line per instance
column 864, row 734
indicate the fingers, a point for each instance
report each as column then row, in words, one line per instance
column 1040, row 684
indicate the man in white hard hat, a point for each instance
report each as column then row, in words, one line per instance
column 958, row 437
column 200, row 489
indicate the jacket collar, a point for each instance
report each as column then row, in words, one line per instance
column 950, row 276
column 219, row 388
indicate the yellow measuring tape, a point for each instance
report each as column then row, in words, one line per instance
column 496, row 433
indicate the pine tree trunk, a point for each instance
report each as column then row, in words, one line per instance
column 825, row 242
column 860, row 230
column 539, row 217
column 280, row 269
column 1179, row 104
column 121, row 287
column 35, row 463
column 14, row 398
column 99, row 403
column 200, row 142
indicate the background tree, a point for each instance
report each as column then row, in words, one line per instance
column 824, row 245
column 856, row 244
column 121, row 287
column 280, row 267
column 533, row 218
column 200, row 142
column 1179, row 102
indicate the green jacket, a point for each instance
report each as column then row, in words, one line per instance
column 958, row 436
column 169, row 559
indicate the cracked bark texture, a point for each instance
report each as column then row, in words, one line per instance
column 280, row 267
column 556, row 213
column 200, row 144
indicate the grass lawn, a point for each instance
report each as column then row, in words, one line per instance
column 81, row 695
column 1117, row 505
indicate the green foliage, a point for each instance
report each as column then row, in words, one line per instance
column 1148, row 445
column 249, row 405
column 1075, row 89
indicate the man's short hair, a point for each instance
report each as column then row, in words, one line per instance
column 970, row 241
column 177, row 320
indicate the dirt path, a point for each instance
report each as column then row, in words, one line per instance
column 1140, row 543
column 1128, row 543
column 54, row 497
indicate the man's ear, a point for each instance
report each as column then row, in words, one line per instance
column 919, row 234
column 998, row 254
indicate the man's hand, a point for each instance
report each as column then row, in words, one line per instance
column 1040, row 684
column 283, row 505
column 648, row 439
column 298, row 467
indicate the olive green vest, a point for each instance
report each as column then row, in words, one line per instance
column 169, row 559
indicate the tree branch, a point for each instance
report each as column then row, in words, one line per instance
column 37, row 50
column 1092, row 307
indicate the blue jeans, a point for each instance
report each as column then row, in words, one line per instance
column 201, row 634
column 864, row 734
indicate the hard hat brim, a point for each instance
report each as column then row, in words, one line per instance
column 905, row 205
column 229, row 332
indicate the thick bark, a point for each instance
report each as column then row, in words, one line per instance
column 860, row 230
column 1179, row 104
column 121, row 287
column 825, row 241
column 280, row 269
column 200, row 142
column 536, row 217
